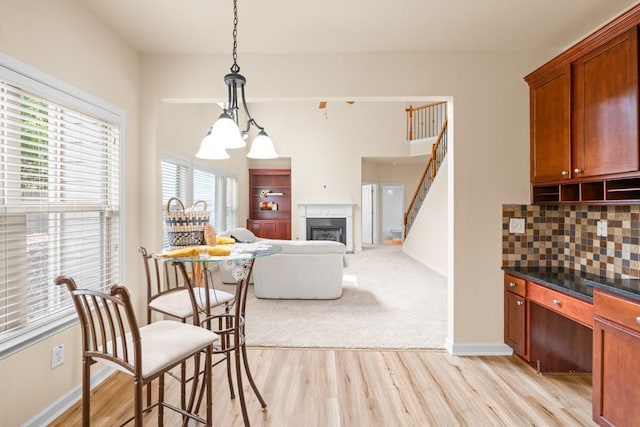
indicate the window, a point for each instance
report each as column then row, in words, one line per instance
column 194, row 181
column 59, row 201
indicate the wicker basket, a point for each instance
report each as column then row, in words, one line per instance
column 185, row 227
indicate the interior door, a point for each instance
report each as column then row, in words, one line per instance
column 392, row 213
column 368, row 213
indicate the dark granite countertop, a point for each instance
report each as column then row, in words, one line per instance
column 575, row 283
column 563, row 280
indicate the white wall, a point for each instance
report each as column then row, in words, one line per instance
column 61, row 39
column 428, row 239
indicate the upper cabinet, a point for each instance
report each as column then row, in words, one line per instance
column 584, row 119
column 605, row 108
column 550, row 106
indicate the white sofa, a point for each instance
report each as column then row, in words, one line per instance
column 307, row 269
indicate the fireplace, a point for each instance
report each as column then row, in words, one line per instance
column 327, row 221
column 327, row 229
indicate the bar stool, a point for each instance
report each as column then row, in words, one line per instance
column 111, row 335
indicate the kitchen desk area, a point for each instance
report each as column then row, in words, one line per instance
column 571, row 258
column 560, row 320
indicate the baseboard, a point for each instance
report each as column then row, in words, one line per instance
column 56, row 409
column 478, row 349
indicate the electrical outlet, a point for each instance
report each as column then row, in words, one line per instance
column 57, row 356
column 517, row 225
column 601, row 228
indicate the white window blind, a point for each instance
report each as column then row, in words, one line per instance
column 194, row 181
column 231, row 204
column 205, row 187
column 59, row 205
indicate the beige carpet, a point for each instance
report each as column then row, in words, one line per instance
column 389, row 300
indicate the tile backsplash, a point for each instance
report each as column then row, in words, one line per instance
column 565, row 236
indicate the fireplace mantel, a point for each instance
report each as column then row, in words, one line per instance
column 327, row 210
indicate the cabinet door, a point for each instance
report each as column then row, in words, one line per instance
column 514, row 322
column 550, row 110
column 616, row 377
column 283, row 230
column 255, row 227
column 268, row 230
column 605, row 108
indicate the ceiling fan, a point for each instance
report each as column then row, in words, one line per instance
column 323, row 104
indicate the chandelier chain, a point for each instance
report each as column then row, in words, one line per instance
column 235, row 68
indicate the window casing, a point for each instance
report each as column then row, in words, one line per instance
column 59, row 200
column 193, row 181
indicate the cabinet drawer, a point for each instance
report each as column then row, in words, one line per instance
column 514, row 284
column 617, row 309
column 573, row 308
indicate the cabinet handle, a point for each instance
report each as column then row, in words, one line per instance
column 565, row 173
column 520, row 303
column 638, row 319
column 576, row 170
column 513, row 285
column 556, row 301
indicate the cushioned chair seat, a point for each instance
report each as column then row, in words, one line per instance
column 178, row 303
column 164, row 342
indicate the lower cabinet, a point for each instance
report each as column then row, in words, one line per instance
column 550, row 330
column 270, row 228
column 515, row 314
column 616, row 372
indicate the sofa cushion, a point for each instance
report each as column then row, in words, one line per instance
column 309, row 246
column 240, row 234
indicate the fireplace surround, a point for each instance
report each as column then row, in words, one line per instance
column 327, row 221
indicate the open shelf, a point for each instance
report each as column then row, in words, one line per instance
column 606, row 191
column 267, row 222
column 592, row 191
column 547, row 193
column 624, row 189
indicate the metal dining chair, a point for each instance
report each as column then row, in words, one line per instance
column 111, row 335
column 168, row 294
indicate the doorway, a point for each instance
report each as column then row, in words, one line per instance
column 392, row 207
column 369, row 214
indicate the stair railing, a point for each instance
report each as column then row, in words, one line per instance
column 424, row 121
column 438, row 152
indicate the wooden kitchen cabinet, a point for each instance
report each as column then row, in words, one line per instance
column 515, row 314
column 605, row 108
column 584, row 137
column 572, row 308
column 616, row 346
column 549, row 329
column 550, row 109
column 584, row 115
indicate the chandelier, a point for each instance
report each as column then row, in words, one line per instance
column 225, row 133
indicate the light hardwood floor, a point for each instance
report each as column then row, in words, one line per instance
column 349, row 388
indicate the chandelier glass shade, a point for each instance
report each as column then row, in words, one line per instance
column 262, row 147
column 225, row 133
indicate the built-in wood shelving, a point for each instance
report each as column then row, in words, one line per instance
column 606, row 191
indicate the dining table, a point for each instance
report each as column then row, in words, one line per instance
column 198, row 264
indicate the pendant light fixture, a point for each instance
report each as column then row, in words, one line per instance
column 225, row 133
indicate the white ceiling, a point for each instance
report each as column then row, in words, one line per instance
column 330, row 26
column 314, row 26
